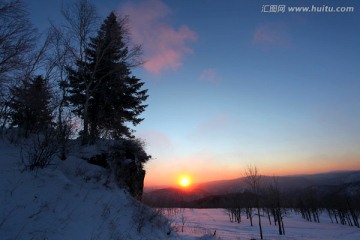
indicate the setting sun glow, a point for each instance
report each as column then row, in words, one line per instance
column 184, row 181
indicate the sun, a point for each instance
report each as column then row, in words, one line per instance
column 184, row 181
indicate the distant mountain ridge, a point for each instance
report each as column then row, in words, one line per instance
column 286, row 182
column 323, row 182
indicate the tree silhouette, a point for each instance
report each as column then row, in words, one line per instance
column 17, row 40
column 102, row 89
column 253, row 180
column 31, row 105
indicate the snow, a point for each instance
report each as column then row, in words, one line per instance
column 206, row 221
column 72, row 199
column 68, row 200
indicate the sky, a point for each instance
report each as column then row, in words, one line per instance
column 232, row 83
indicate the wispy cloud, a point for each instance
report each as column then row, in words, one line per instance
column 164, row 45
column 210, row 75
column 272, row 35
column 212, row 125
column 155, row 139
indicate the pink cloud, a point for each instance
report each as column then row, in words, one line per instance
column 210, row 75
column 164, row 46
column 272, row 35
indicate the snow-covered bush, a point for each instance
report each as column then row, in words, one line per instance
column 133, row 149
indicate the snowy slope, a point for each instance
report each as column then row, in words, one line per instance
column 69, row 200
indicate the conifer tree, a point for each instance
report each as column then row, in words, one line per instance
column 102, row 90
column 31, row 105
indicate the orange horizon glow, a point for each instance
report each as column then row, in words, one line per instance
column 175, row 179
column 202, row 168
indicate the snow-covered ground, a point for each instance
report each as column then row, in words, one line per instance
column 198, row 222
column 68, row 200
column 72, row 199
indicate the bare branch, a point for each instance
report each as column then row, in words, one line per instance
column 82, row 21
column 252, row 178
column 17, row 36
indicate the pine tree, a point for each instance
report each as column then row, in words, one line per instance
column 31, row 105
column 102, row 90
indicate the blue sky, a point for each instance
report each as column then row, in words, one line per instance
column 230, row 86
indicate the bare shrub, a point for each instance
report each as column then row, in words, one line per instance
column 139, row 217
column 144, row 215
column 38, row 152
column 183, row 221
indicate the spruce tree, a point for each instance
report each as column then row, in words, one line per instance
column 31, row 105
column 103, row 91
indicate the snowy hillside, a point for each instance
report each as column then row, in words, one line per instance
column 70, row 199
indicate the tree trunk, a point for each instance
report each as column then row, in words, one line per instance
column 268, row 213
column 353, row 214
column 282, row 226
column 261, row 235
column 335, row 215
column 278, row 217
column 85, row 136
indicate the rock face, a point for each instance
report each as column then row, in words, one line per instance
column 128, row 173
column 132, row 176
column 100, row 160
